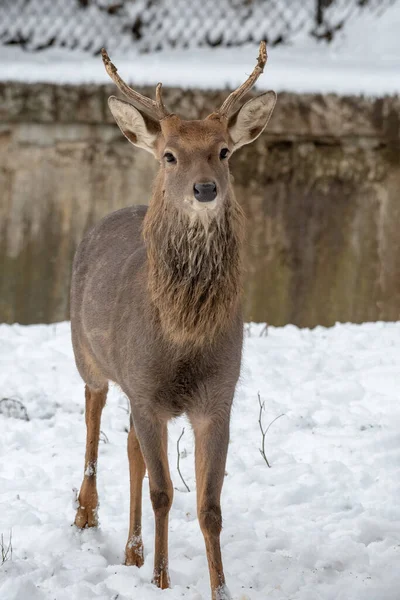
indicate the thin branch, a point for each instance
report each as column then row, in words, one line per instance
column 178, row 460
column 103, row 437
column 262, row 449
column 6, row 550
column 125, row 408
column 264, row 431
column 273, row 421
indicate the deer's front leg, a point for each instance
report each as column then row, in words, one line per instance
column 152, row 435
column 211, row 438
column 86, row 514
column 137, row 470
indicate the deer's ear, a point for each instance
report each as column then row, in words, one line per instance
column 251, row 120
column 141, row 130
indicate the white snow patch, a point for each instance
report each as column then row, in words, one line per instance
column 91, row 469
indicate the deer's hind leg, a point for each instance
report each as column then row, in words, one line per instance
column 86, row 514
column 137, row 470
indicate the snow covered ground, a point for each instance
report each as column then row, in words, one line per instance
column 322, row 524
column 363, row 59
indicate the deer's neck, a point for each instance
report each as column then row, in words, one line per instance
column 194, row 270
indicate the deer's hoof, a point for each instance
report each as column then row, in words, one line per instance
column 86, row 517
column 161, row 579
column 221, row 593
column 134, row 553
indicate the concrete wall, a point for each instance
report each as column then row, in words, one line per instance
column 321, row 191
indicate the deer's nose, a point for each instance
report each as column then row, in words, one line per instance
column 205, row 192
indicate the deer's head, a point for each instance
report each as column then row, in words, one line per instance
column 193, row 155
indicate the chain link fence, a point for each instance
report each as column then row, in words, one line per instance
column 150, row 25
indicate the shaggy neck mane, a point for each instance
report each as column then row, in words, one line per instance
column 194, row 269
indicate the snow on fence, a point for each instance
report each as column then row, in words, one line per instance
column 150, row 25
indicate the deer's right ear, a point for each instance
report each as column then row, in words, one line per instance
column 141, row 130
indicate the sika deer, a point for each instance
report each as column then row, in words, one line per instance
column 155, row 307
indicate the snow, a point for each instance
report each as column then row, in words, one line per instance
column 362, row 59
column 323, row 523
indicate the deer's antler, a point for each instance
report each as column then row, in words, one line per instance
column 153, row 108
column 228, row 107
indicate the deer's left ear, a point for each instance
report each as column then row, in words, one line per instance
column 251, row 120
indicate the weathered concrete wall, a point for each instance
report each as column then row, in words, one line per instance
column 321, row 191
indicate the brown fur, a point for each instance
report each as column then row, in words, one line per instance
column 194, row 270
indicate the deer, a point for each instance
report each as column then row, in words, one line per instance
column 156, row 308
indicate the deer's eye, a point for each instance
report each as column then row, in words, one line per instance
column 224, row 153
column 169, row 157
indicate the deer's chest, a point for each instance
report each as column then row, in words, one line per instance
column 181, row 387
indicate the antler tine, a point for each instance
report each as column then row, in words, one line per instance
column 229, row 105
column 159, row 101
column 151, row 107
